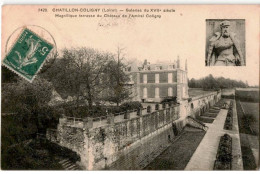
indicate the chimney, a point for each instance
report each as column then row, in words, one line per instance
column 145, row 62
column 186, row 65
column 178, row 62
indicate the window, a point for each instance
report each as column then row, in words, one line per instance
column 158, row 68
column 145, row 93
column 156, row 78
column 170, row 91
column 156, row 92
column 145, row 78
column 169, row 77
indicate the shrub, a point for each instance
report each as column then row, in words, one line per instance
column 164, row 105
column 229, row 119
column 33, row 156
column 139, row 111
column 133, row 105
column 148, row 109
column 157, row 107
column 224, row 154
column 169, row 99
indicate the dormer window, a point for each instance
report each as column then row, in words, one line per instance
column 171, row 67
column 158, row 67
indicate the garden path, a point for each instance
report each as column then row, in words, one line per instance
column 205, row 154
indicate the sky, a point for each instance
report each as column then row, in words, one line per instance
column 181, row 33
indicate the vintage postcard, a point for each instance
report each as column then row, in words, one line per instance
column 130, row 87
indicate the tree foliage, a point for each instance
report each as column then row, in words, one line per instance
column 25, row 110
column 78, row 73
column 117, row 81
column 90, row 76
column 211, row 82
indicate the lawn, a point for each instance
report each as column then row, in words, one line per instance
column 244, row 130
column 205, row 120
column 177, row 156
column 228, row 91
column 193, row 92
column 252, row 109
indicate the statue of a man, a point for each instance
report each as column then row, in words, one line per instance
column 224, row 48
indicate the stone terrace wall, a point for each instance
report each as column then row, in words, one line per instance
column 111, row 144
column 131, row 143
column 71, row 137
column 142, row 152
column 200, row 104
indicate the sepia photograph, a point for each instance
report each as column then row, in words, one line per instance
column 225, row 42
column 128, row 87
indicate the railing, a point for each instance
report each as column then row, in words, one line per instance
column 129, row 111
column 102, row 120
column 98, row 120
column 74, row 120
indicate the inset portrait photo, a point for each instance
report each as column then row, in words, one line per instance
column 225, row 42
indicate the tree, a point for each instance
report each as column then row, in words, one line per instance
column 192, row 83
column 81, row 72
column 118, row 79
column 28, row 105
column 90, row 76
column 210, row 82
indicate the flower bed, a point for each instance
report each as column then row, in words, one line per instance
column 229, row 120
column 224, row 154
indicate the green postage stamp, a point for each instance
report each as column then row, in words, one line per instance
column 27, row 55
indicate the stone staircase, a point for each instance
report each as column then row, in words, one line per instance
column 210, row 115
column 67, row 164
column 196, row 123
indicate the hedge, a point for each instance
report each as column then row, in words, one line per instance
column 224, row 155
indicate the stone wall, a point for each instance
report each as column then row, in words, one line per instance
column 110, row 144
column 200, row 104
column 51, row 134
column 144, row 151
column 131, row 143
column 71, row 137
column 103, row 146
